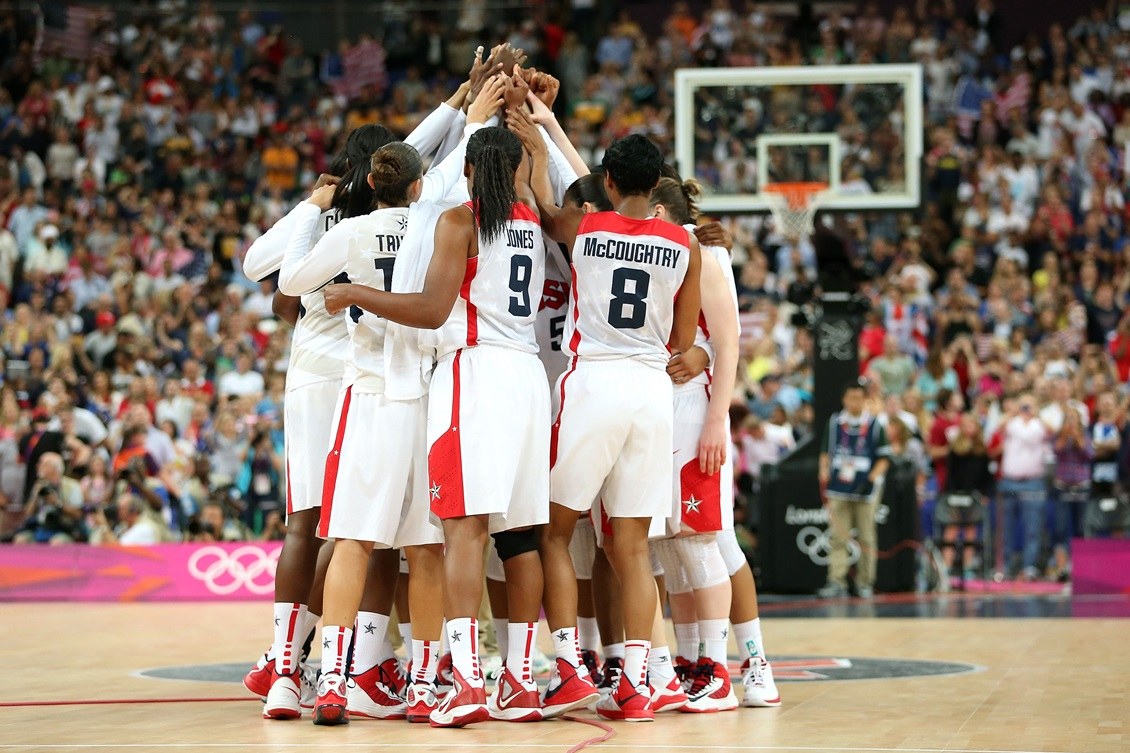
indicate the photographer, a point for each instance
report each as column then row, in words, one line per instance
column 53, row 513
column 137, row 524
column 260, row 480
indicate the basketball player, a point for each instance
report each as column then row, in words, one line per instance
column 635, row 299
column 489, row 256
column 697, row 581
column 373, row 495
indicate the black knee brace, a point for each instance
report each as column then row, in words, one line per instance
column 510, row 544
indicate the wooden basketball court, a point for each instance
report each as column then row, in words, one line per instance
column 74, row 682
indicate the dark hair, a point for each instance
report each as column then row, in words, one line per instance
column 495, row 153
column 394, row 167
column 856, row 384
column 354, row 196
column 678, row 198
column 670, row 171
column 633, row 163
column 588, row 188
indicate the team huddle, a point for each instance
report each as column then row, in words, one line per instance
column 505, row 370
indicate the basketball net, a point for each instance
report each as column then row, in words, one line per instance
column 794, row 206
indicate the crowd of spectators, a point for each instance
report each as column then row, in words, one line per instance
column 142, row 374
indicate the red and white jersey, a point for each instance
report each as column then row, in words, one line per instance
column 498, row 301
column 550, row 325
column 626, row 274
column 702, row 334
column 359, row 250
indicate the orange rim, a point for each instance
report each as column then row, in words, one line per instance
column 797, row 195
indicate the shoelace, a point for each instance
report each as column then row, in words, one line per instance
column 757, row 673
column 701, row 675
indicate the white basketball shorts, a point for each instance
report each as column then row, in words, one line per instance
column 308, row 413
column 703, row 504
column 488, row 437
column 612, row 438
column 376, row 478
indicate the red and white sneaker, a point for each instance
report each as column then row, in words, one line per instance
column 626, row 704
column 592, row 664
column 711, row 690
column 512, row 701
column 670, row 697
column 613, row 666
column 284, row 699
column 444, row 680
column 465, row 704
column 259, row 679
column 757, row 679
column 393, row 676
column 683, row 669
column 421, row 702
column 369, row 697
column 331, row 707
column 569, row 688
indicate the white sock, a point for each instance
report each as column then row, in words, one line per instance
column 310, row 626
column 425, row 660
column 588, row 634
column 501, row 635
column 635, row 662
column 289, row 619
column 443, row 639
column 660, row 665
column 565, row 645
column 522, row 639
column 613, row 651
column 335, row 645
column 686, row 640
column 463, row 634
column 370, row 635
column 405, row 629
column 748, row 636
column 714, row 641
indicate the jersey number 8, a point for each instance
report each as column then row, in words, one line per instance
column 628, row 308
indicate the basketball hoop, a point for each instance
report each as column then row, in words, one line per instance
column 794, row 206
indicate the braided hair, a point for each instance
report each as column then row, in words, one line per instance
column 354, row 196
column 495, row 153
column 394, row 167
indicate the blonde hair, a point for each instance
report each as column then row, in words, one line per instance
column 680, row 199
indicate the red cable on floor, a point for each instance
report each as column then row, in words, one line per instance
column 119, row 701
column 609, row 733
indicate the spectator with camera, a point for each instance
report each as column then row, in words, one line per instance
column 1023, row 486
column 963, row 492
column 53, row 513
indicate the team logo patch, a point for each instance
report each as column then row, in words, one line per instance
column 785, row 669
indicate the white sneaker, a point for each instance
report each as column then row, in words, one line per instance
column 760, row 690
column 284, row 697
column 308, row 688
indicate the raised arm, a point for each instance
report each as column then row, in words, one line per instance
column 722, row 322
column 687, row 303
column 428, row 309
column 305, row 270
column 264, row 257
column 545, row 118
column 443, row 177
column 559, row 223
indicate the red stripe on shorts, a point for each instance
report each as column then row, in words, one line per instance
column 289, row 495
column 445, row 460
column 333, row 460
column 560, row 410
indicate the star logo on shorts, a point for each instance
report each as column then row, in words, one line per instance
column 725, row 632
column 562, row 636
column 435, row 491
column 692, row 504
column 455, row 636
column 370, row 629
column 336, row 453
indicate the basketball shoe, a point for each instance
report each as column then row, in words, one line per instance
column 710, row 689
column 393, row 676
column 259, row 679
column 370, row 697
column 626, row 703
column 569, row 688
column 443, row 676
column 592, row 664
column 514, row 701
column 670, row 697
column 284, row 699
column 465, row 704
column 332, row 707
column 421, row 702
column 683, row 669
column 613, row 666
column 760, row 690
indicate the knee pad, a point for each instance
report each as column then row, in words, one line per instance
column 495, row 570
column 676, row 578
column 511, row 544
column 732, row 553
column 582, row 548
column 703, row 561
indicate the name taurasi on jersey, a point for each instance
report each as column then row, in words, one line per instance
column 639, row 253
column 388, row 244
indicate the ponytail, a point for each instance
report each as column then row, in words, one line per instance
column 394, row 167
column 353, row 196
column 679, row 198
column 495, row 154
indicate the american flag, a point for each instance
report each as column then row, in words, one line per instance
column 364, row 66
column 70, row 30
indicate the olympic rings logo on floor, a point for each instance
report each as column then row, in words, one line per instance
column 223, row 573
column 817, row 544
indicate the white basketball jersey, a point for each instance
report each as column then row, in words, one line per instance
column 626, row 274
column 498, row 301
column 319, row 347
column 702, row 334
column 550, row 325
